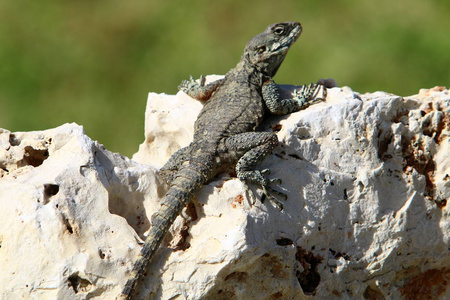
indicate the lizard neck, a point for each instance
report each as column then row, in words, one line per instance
column 255, row 75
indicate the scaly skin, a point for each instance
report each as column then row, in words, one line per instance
column 224, row 132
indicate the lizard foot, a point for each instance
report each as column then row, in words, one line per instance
column 309, row 94
column 258, row 177
column 188, row 85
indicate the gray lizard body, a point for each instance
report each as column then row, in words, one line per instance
column 224, row 132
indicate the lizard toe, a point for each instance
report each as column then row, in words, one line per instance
column 266, row 172
column 276, row 180
column 269, row 193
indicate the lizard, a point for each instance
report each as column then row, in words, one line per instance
column 224, row 133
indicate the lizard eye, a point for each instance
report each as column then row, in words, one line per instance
column 279, row 30
column 261, row 49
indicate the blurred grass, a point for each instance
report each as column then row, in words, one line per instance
column 93, row 62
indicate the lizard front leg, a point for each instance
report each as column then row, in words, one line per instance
column 302, row 97
column 199, row 91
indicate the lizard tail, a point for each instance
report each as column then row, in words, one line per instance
column 188, row 180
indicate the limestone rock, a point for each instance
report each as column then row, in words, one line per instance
column 367, row 178
column 169, row 125
column 65, row 202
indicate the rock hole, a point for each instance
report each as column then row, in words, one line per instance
column 296, row 156
column 78, row 284
column 69, row 228
column 51, row 189
column 443, row 123
column 3, row 167
column 309, row 278
column 276, row 127
column 101, row 254
column 345, row 194
column 337, row 254
column 373, row 293
column 277, row 295
column 284, row 242
column 67, row 224
column 33, row 157
column 74, row 282
column 384, row 140
column 13, row 140
column 361, row 186
column 441, row 203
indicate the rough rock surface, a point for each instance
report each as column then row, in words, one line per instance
column 368, row 181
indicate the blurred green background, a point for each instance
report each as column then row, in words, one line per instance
column 93, row 62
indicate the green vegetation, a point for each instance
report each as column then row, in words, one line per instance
column 93, row 62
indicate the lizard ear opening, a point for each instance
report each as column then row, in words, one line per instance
column 261, row 49
column 264, row 60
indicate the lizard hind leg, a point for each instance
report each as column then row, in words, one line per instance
column 254, row 147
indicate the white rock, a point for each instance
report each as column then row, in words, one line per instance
column 63, row 198
column 169, row 125
column 362, row 173
column 367, row 179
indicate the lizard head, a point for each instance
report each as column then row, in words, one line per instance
column 267, row 50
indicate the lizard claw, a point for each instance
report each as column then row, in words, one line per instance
column 251, row 195
column 188, row 85
column 266, row 172
column 307, row 94
column 275, row 180
column 202, row 80
column 267, row 194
